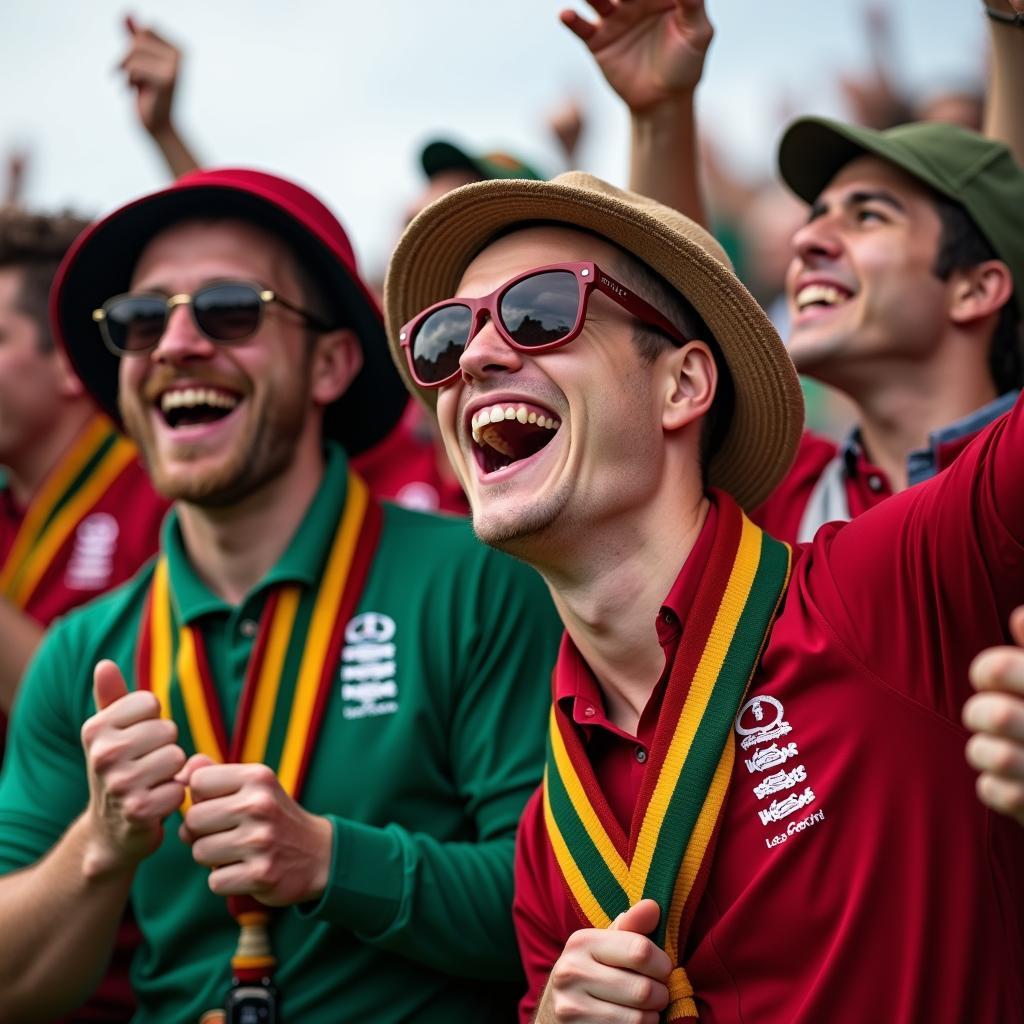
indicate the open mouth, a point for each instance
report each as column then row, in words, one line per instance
column 186, row 407
column 504, row 434
column 822, row 296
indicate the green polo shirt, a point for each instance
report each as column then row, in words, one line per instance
column 430, row 746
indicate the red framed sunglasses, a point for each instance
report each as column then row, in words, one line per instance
column 539, row 310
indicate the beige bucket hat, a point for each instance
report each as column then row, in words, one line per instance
column 439, row 244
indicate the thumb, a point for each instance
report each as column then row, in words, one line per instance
column 641, row 918
column 189, row 768
column 130, row 24
column 108, row 684
column 1017, row 625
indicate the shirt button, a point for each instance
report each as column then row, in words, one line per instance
column 641, row 755
column 875, row 482
column 248, row 627
column 589, row 711
column 666, row 617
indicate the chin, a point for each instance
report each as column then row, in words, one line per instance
column 212, row 486
column 519, row 530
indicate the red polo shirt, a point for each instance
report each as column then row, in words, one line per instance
column 878, row 887
column 864, row 483
column 405, row 468
column 112, row 540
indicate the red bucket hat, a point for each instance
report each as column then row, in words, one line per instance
column 101, row 261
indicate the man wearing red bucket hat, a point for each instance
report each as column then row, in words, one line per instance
column 310, row 729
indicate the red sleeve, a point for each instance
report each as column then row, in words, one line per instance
column 781, row 513
column 538, row 929
column 917, row 586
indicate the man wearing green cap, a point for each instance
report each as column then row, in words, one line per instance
column 905, row 292
column 447, row 166
column 906, row 285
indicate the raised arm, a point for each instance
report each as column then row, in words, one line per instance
column 1003, row 117
column 151, row 66
column 652, row 54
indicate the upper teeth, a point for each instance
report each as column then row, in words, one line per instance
column 188, row 398
column 497, row 413
column 819, row 293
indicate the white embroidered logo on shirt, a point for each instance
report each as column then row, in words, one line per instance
column 754, row 729
column 780, row 809
column 760, row 720
column 368, row 686
column 770, row 757
column 92, row 558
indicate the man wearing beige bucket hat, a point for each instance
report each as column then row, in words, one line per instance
column 755, row 788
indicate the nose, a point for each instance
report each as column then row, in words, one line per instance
column 817, row 240
column 487, row 353
column 182, row 340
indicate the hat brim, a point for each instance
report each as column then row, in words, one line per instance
column 814, row 149
column 440, row 156
column 438, row 245
column 100, row 264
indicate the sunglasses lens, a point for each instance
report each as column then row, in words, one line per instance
column 541, row 309
column 439, row 342
column 134, row 323
column 229, row 311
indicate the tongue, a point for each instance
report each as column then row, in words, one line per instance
column 515, row 440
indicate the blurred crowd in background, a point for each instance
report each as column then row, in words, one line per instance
column 751, row 213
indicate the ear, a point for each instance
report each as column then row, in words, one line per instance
column 69, row 384
column 690, row 381
column 979, row 291
column 337, row 358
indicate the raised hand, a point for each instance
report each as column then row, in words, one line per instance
column 254, row 837
column 132, row 757
column 603, row 971
column 650, row 51
column 995, row 715
column 151, row 65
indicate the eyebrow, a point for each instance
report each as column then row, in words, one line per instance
column 858, row 198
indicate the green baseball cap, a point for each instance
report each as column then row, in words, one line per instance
column 440, row 155
column 978, row 173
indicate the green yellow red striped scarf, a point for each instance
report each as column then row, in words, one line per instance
column 667, row 855
column 71, row 490
column 289, row 678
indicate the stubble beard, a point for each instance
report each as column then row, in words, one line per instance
column 257, row 458
column 528, row 531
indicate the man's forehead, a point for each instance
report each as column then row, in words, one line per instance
column 531, row 246
column 240, row 247
column 866, row 172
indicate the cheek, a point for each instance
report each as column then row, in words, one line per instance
column 447, row 417
column 792, row 271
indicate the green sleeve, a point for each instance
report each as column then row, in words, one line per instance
column 43, row 787
column 449, row 904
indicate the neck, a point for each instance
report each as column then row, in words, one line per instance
column 27, row 470
column 610, row 592
column 900, row 404
column 232, row 548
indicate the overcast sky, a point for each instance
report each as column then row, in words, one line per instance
column 342, row 95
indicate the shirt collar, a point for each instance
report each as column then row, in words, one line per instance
column 924, row 463
column 302, row 560
column 575, row 684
